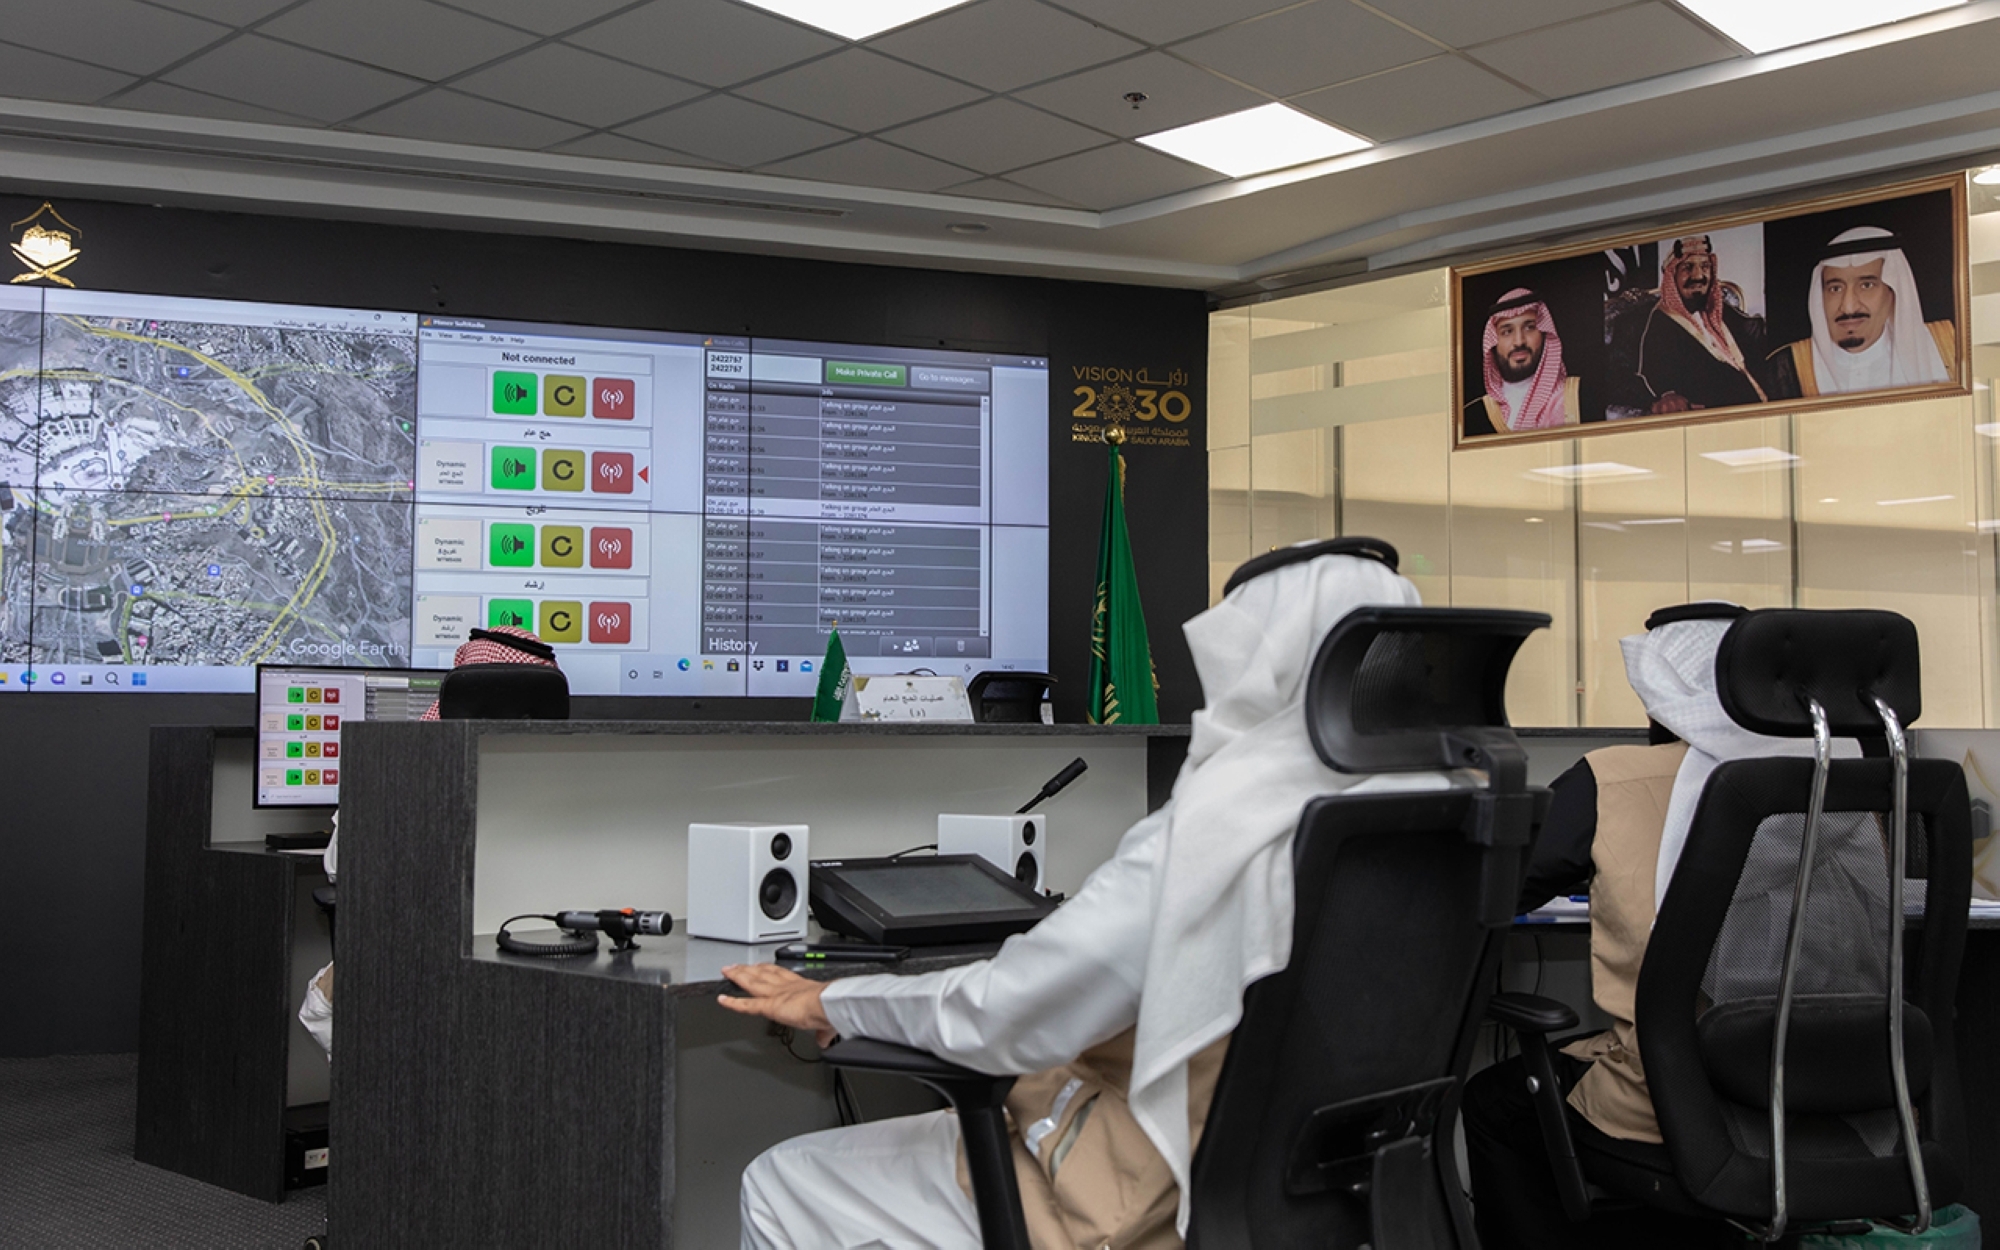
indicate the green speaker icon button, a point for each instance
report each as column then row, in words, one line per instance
column 514, row 394
column 513, row 468
column 520, row 613
column 511, row 546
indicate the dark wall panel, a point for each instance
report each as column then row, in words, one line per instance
column 72, row 823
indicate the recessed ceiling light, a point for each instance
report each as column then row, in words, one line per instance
column 1830, row 499
column 1749, row 457
column 1659, row 520
column 1987, row 177
column 855, row 19
column 1533, row 520
column 1991, row 429
column 968, row 227
column 1254, row 141
column 1898, row 503
column 1767, row 25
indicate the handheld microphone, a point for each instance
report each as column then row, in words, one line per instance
column 1055, row 785
column 621, row 925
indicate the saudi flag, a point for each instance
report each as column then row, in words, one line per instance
column 833, row 679
column 1121, row 663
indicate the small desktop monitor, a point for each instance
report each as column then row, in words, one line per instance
column 302, row 711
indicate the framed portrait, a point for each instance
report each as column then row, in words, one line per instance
column 1856, row 299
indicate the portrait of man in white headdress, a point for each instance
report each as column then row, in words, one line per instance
column 1868, row 327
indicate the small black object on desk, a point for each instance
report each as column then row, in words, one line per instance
column 937, row 900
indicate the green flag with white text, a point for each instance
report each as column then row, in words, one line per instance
column 1121, row 662
column 833, row 679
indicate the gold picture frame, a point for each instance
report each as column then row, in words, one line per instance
column 1633, row 355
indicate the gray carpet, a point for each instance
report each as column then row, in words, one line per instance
column 67, row 1177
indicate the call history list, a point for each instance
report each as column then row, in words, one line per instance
column 688, row 515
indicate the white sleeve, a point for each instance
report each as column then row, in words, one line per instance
column 331, row 860
column 1048, row 995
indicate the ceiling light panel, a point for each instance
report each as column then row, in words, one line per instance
column 855, row 19
column 1255, row 141
column 1767, row 25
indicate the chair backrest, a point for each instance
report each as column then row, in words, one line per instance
column 1332, row 1119
column 1711, row 993
column 504, row 692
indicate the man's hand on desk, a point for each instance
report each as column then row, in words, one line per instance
column 780, row 996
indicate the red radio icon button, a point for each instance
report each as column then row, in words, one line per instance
column 610, row 547
column 611, row 399
column 611, row 622
column 611, row 472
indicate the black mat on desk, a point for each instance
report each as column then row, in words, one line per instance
column 67, row 1176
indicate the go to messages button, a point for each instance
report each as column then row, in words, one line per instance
column 867, row 374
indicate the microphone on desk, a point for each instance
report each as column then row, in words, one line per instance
column 620, row 925
column 1055, row 785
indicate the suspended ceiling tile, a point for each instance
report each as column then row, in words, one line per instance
column 449, row 117
column 870, row 163
column 1606, row 50
column 995, row 136
column 1313, row 46
column 228, row 12
column 1001, row 189
column 734, row 132
column 160, row 97
column 38, row 76
column 409, row 36
column 544, row 17
column 279, row 76
column 620, row 148
column 1461, row 25
column 861, row 90
column 581, row 86
column 1163, row 21
column 709, row 41
column 1112, row 177
column 121, row 34
column 1415, row 99
column 1004, row 44
column 1176, row 93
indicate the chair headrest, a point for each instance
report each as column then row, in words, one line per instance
column 1773, row 659
column 504, row 692
column 1415, row 689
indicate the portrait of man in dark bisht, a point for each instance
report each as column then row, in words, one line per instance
column 1694, row 342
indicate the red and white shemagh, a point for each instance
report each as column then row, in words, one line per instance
column 486, row 651
column 1707, row 323
column 1543, row 409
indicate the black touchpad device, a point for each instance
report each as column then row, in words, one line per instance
column 936, row 900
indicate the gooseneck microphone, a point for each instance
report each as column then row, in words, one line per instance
column 1055, row 785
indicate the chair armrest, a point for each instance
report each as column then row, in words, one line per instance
column 979, row 1099
column 1531, row 1013
column 868, row 1055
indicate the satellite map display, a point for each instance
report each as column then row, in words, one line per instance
column 204, row 483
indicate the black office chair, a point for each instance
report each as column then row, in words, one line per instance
column 1332, row 1120
column 1794, row 1046
column 504, row 692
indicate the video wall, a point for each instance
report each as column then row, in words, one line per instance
column 191, row 487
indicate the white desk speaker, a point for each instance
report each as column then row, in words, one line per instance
column 1016, row 845
column 747, row 883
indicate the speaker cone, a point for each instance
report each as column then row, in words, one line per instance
column 1027, row 833
column 778, row 894
column 1024, row 868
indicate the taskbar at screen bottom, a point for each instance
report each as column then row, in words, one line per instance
column 127, row 678
column 696, row 676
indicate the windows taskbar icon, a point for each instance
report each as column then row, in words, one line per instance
column 65, row 678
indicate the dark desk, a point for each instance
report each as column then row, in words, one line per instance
column 229, row 936
column 483, row 1099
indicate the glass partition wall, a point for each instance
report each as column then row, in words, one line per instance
column 1328, row 417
